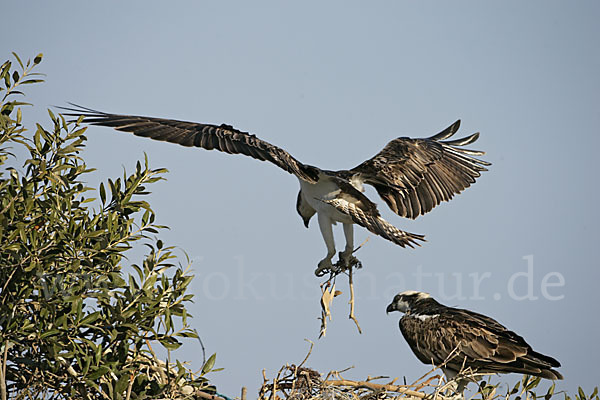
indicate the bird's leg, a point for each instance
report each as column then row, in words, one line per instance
column 325, row 225
column 349, row 234
column 346, row 255
column 346, row 259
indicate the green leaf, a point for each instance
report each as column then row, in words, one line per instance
column 76, row 308
column 209, row 364
column 90, row 318
column 550, row 392
column 150, row 281
column 86, row 365
column 18, row 60
column 169, row 343
column 30, row 81
column 122, row 383
column 98, row 372
column 189, row 334
column 49, row 333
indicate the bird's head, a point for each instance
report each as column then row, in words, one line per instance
column 406, row 301
column 304, row 209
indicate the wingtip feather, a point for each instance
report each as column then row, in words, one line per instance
column 448, row 132
column 463, row 141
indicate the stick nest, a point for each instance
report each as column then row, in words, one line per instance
column 297, row 382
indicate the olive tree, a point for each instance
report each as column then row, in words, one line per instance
column 73, row 323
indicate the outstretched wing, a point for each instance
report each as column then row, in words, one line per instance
column 414, row 175
column 352, row 202
column 222, row 137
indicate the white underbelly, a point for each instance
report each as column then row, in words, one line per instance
column 325, row 189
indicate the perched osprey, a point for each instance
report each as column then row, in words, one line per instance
column 411, row 175
column 465, row 339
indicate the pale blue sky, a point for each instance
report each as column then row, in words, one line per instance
column 332, row 83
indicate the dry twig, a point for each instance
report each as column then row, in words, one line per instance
column 328, row 291
column 377, row 387
column 351, row 302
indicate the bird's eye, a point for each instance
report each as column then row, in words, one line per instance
column 396, row 298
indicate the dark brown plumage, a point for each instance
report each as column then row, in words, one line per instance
column 415, row 175
column 463, row 338
column 222, row 137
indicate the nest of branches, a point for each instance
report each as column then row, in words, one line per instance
column 294, row 382
column 298, row 382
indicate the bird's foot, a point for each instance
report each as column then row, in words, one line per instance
column 325, row 266
column 346, row 261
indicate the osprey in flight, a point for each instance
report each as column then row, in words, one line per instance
column 458, row 339
column 411, row 175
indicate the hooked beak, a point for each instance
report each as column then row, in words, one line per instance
column 390, row 308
